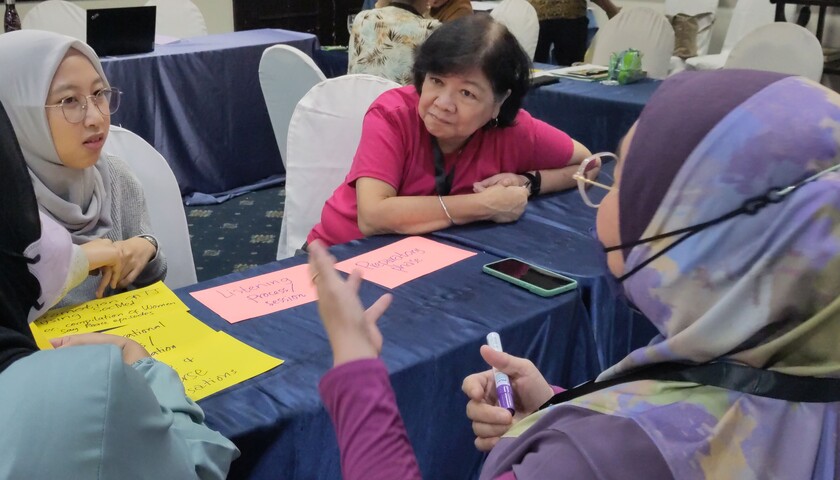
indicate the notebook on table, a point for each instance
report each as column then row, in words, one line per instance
column 122, row 30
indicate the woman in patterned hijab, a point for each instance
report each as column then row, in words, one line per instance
column 724, row 226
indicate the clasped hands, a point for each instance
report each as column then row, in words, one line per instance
column 118, row 262
column 353, row 335
column 504, row 194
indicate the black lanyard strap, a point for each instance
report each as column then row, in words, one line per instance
column 731, row 376
column 443, row 180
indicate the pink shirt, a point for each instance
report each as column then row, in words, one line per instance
column 396, row 149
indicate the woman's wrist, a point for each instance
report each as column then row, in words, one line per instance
column 533, row 182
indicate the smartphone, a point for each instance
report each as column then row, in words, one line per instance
column 537, row 280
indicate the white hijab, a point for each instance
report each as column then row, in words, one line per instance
column 77, row 199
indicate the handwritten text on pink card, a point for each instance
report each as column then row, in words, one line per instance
column 403, row 261
column 260, row 295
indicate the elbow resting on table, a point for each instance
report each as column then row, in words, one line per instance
column 372, row 224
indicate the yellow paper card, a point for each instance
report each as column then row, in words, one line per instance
column 40, row 339
column 216, row 362
column 111, row 312
column 260, row 295
column 402, row 261
column 166, row 333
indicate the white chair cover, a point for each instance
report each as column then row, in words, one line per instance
column 286, row 74
column 641, row 28
column 779, row 47
column 57, row 16
column 520, row 18
column 163, row 199
column 323, row 136
column 178, row 18
column 746, row 17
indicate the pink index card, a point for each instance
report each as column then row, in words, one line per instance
column 260, row 295
column 404, row 261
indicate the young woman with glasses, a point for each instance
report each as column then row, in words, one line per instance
column 60, row 105
column 96, row 406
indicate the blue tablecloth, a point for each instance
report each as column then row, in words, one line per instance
column 595, row 115
column 332, row 62
column 557, row 233
column 432, row 335
column 199, row 102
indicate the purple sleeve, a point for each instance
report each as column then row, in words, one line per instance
column 573, row 442
column 370, row 431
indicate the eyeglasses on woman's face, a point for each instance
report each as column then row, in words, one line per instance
column 74, row 108
column 589, row 164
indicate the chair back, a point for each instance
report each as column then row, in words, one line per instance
column 779, row 47
column 324, row 133
column 520, row 18
column 57, row 16
column 286, row 74
column 641, row 28
column 178, row 18
column 163, row 200
column 746, row 17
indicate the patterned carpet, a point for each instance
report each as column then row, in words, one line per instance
column 236, row 235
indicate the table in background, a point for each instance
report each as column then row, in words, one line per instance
column 595, row 115
column 199, row 102
column 332, row 62
column 432, row 333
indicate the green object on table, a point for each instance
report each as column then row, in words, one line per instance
column 626, row 66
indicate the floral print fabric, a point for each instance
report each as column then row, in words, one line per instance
column 383, row 40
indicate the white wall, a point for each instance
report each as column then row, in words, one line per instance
column 217, row 13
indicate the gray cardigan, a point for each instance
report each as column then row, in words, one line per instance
column 130, row 218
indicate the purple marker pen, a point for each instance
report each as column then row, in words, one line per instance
column 503, row 390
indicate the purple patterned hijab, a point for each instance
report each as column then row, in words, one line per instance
column 760, row 289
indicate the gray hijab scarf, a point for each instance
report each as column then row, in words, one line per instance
column 77, row 199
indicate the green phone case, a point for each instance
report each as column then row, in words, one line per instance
column 529, row 286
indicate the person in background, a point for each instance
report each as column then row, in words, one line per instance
column 454, row 147
column 724, row 230
column 98, row 406
column 563, row 23
column 383, row 40
column 449, row 10
column 60, row 105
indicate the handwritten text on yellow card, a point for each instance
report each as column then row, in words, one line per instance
column 166, row 333
column 216, row 362
column 110, row 312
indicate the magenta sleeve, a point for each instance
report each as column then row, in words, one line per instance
column 381, row 153
column 552, row 148
column 370, row 431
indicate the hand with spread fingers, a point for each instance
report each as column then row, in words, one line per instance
column 351, row 329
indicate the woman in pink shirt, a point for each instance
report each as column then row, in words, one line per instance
column 454, row 147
